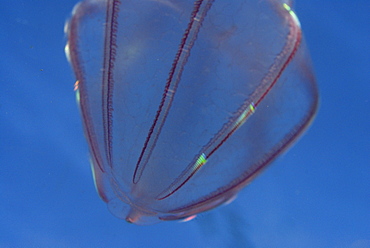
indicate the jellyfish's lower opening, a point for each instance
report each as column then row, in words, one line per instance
column 133, row 216
column 132, row 213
